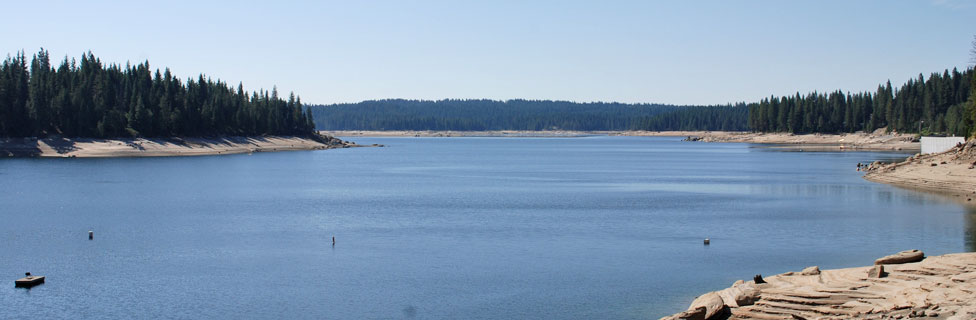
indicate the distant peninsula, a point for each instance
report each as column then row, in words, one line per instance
column 86, row 108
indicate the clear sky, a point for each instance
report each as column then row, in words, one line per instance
column 678, row 52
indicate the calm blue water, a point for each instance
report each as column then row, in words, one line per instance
column 444, row 228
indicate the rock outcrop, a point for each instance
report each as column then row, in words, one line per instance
column 941, row 287
column 906, row 256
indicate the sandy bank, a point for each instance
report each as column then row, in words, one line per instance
column 501, row 133
column 853, row 141
column 878, row 140
column 940, row 287
column 952, row 172
column 145, row 147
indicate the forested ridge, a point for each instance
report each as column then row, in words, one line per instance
column 942, row 104
column 518, row 114
column 89, row 99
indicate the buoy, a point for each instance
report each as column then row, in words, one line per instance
column 707, row 241
column 333, row 241
column 28, row 281
column 91, row 235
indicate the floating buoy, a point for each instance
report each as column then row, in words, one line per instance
column 707, row 241
column 91, row 235
column 28, row 281
column 333, row 241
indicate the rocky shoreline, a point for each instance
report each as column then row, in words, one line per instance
column 878, row 140
column 896, row 287
column 952, row 172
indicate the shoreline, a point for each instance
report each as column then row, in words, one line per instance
column 875, row 141
column 859, row 141
column 161, row 147
column 939, row 287
column 451, row 133
column 951, row 173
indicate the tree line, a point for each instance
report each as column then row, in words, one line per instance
column 697, row 118
column 942, row 103
column 90, row 99
column 519, row 114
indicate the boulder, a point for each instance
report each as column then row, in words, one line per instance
column 712, row 302
column 810, row 271
column 740, row 295
column 747, row 296
column 694, row 314
column 876, row 272
column 906, row 256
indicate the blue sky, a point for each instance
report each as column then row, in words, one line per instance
column 678, row 52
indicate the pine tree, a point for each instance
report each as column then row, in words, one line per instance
column 89, row 99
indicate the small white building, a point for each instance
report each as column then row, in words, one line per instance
column 939, row 144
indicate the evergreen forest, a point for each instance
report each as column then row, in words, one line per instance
column 529, row 115
column 90, row 99
column 943, row 103
column 939, row 104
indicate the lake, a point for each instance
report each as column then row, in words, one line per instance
column 445, row 228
